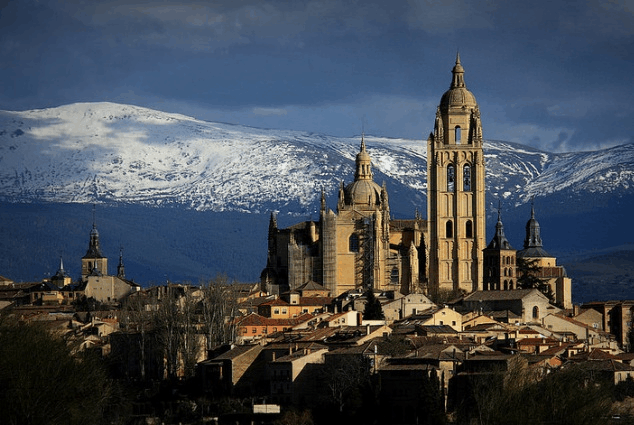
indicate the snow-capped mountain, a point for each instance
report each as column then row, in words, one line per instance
column 107, row 152
column 223, row 180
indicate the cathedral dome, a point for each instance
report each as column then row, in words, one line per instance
column 458, row 97
column 363, row 192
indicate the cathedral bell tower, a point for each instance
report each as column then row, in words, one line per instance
column 455, row 192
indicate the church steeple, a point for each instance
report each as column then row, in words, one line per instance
column 94, row 262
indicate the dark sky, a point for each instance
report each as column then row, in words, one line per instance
column 556, row 75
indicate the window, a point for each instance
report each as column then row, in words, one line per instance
column 458, row 134
column 353, row 243
column 394, row 277
column 254, row 330
column 449, row 229
column 466, row 178
column 276, row 311
column 451, row 178
column 284, row 311
column 469, row 229
column 535, row 312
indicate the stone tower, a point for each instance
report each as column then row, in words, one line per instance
column 455, row 192
column 94, row 262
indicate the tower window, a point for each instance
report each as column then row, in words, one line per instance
column 353, row 243
column 394, row 276
column 458, row 135
column 449, row 229
column 451, row 178
column 466, row 178
column 535, row 312
column 469, row 229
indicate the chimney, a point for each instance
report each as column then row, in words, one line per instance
column 367, row 329
column 273, row 355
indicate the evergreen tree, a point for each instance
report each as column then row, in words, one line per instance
column 528, row 278
column 373, row 309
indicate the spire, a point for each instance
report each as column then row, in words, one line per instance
column 533, row 230
column 61, row 273
column 94, row 251
column 499, row 241
column 458, row 74
column 121, row 267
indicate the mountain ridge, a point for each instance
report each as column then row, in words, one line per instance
column 100, row 152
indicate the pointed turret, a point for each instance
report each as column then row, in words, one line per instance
column 61, row 278
column 533, row 242
column 120, row 266
column 499, row 241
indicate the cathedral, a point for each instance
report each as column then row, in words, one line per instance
column 359, row 246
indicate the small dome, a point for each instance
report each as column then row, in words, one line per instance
column 458, row 97
column 363, row 192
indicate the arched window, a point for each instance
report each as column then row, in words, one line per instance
column 469, row 229
column 451, row 178
column 504, row 272
column 466, row 178
column 449, row 229
column 535, row 312
column 353, row 243
column 506, row 285
column 458, row 135
column 394, row 276
column 511, row 284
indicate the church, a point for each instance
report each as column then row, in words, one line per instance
column 359, row 245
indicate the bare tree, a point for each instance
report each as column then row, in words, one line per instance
column 136, row 317
column 219, row 306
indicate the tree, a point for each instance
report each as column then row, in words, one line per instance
column 41, row 381
column 176, row 330
column 521, row 395
column 373, row 309
column 528, row 277
column 219, row 305
column 344, row 377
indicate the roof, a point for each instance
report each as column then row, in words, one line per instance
column 312, row 301
column 438, row 329
column 236, row 352
column 311, row 286
column 533, row 252
column 276, row 301
column 515, row 294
